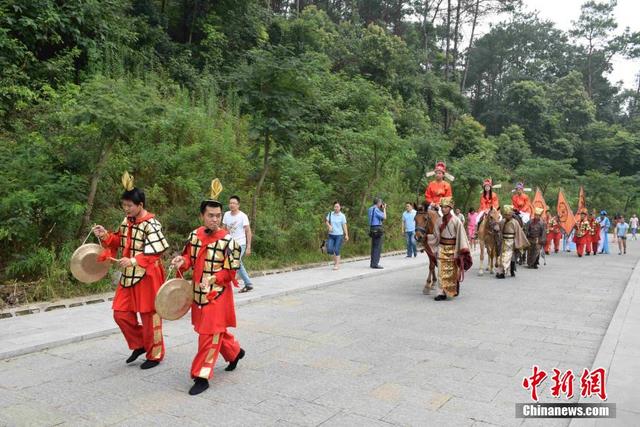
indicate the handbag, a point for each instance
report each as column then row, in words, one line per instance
column 375, row 231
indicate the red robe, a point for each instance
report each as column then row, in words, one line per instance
column 486, row 203
column 220, row 313
column 594, row 235
column 553, row 234
column 437, row 190
column 521, row 203
column 141, row 297
column 582, row 236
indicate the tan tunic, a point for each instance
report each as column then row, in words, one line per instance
column 451, row 240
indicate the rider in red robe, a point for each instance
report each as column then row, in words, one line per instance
column 520, row 200
column 438, row 188
column 214, row 257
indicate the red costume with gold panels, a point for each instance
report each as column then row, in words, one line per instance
column 582, row 235
column 142, row 240
column 554, row 234
column 594, row 236
column 212, row 254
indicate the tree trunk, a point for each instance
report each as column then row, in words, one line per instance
column 445, row 125
column 263, row 175
column 456, row 29
column 473, row 30
column 193, row 20
column 448, row 42
column 93, row 188
column 589, row 72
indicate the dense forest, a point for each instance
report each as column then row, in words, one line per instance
column 294, row 104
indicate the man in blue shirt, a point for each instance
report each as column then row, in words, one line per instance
column 409, row 229
column 605, row 223
column 621, row 233
column 376, row 214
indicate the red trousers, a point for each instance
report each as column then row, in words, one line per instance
column 594, row 246
column 581, row 243
column 556, row 242
column 147, row 336
column 209, row 347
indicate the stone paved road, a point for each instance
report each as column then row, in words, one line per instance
column 373, row 352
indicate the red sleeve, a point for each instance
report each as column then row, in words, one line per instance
column 145, row 261
column 428, row 194
column 225, row 277
column 111, row 243
column 447, row 190
column 186, row 265
column 496, row 201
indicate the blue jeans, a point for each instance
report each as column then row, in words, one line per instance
column 412, row 249
column 242, row 271
column 334, row 243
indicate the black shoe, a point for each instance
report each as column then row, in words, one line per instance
column 148, row 364
column 379, row 267
column 199, row 385
column 579, row 256
column 588, row 254
column 499, row 275
column 235, row 361
column 246, row 288
column 408, row 256
column 440, row 297
column 135, row 354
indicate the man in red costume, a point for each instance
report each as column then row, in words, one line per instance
column 554, row 234
column 214, row 257
column 142, row 243
column 438, row 188
column 520, row 202
column 594, row 234
column 582, row 232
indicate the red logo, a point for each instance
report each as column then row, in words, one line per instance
column 592, row 383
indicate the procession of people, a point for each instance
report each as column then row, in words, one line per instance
column 213, row 252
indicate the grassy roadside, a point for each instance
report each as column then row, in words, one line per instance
column 56, row 281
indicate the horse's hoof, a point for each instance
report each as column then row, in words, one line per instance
column 480, row 272
column 426, row 291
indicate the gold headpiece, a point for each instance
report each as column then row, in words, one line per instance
column 539, row 211
column 507, row 209
column 216, row 189
column 127, row 181
column 446, row 201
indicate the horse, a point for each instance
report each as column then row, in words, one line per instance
column 425, row 225
column 489, row 238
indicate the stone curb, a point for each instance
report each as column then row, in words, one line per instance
column 245, row 301
column 46, row 306
column 607, row 349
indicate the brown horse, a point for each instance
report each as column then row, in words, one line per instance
column 489, row 237
column 425, row 225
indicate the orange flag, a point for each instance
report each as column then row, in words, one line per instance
column 565, row 214
column 538, row 202
column 581, row 200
